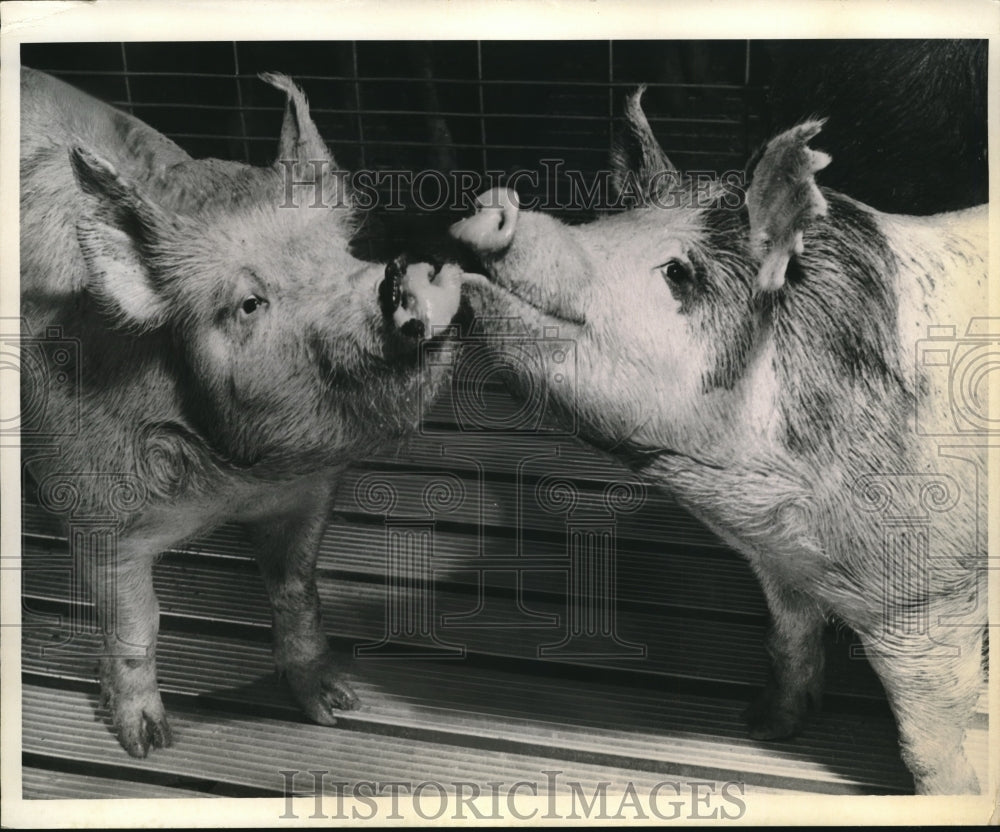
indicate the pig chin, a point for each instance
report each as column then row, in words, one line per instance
column 528, row 303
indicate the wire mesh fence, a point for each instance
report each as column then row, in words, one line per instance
column 480, row 106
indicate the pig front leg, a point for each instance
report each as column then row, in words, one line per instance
column 286, row 548
column 932, row 687
column 122, row 589
column 795, row 647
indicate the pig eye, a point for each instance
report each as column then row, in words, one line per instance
column 251, row 304
column 675, row 271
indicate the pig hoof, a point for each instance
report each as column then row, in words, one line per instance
column 769, row 720
column 130, row 693
column 321, row 691
column 142, row 727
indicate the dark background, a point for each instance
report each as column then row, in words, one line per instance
column 907, row 119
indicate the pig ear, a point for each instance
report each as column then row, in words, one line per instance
column 783, row 200
column 115, row 236
column 300, row 142
column 637, row 158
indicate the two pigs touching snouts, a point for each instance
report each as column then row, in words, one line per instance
column 754, row 361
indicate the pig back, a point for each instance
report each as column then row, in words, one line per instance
column 115, row 385
column 54, row 118
column 54, row 114
column 920, row 466
column 942, row 273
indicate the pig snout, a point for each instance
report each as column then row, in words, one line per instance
column 491, row 228
column 390, row 298
column 420, row 299
column 534, row 263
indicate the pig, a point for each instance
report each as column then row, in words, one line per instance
column 231, row 359
column 751, row 350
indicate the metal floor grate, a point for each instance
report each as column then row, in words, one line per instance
column 500, row 710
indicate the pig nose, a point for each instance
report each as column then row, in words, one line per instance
column 491, row 228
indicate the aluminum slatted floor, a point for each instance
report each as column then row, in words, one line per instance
column 516, row 686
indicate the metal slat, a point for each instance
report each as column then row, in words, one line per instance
column 627, row 85
column 608, row 723
column 496, row 82
column 502, row 505
column 703, row 651
column 669, row 577
column 555, row 118
column 718, row 651
column 659, row 522
column 39, row 783
column 252, row 752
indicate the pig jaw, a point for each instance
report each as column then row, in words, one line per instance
column 320, row 415
column 534, row 258
column 626, row 398
column 622, row 401
column 638, row 387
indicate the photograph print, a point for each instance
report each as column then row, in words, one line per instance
column 491, row 430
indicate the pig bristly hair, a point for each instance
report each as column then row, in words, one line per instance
column 832, row 325
column 150, row 259
column 836, row 334
column 832, row 315
column 833, row 322
column 206, row 186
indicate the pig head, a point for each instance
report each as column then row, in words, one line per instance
column 215, row 299
column 751, row 350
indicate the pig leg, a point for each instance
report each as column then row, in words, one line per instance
column 286, row 548
column 122, row 589
column 795, row 647
column 932, row 688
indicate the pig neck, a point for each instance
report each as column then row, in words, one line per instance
column 131, row 413
column 730, row 430
column 743, row 482
column 826, row 402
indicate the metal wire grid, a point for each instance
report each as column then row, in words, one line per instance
column 474, row 106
